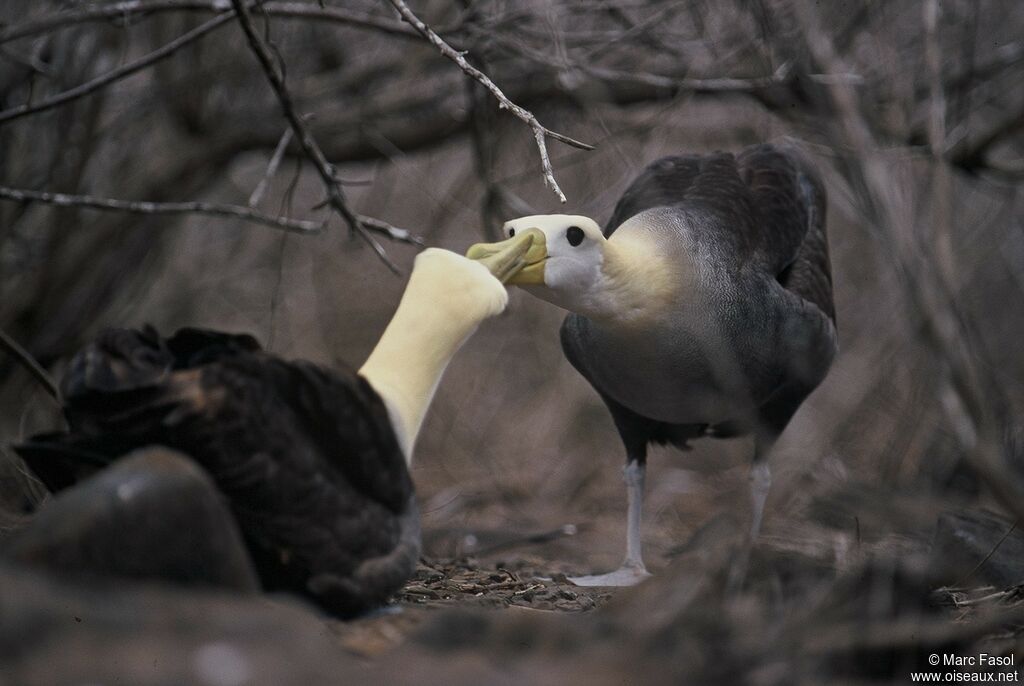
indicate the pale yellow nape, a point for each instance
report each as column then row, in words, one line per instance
column 641, row 280
column 446, row 299
column 625, row 281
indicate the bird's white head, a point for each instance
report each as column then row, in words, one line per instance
column 565, row 264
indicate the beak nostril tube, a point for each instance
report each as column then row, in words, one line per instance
column 518, row 259
column 503, row 259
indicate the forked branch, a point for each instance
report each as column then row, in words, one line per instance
column 116, row 74
column 540, row 132
column 144, row 207
column 310, row 148
column 29, row 363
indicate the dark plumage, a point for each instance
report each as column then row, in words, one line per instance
column 703, row 308
column 306, row 457
column 763, row 217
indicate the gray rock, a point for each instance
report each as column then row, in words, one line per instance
column 153, row 514
column 54, row 632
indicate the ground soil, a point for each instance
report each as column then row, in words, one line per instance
column 516, row 583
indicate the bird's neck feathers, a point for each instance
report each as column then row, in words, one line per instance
column 637, row 281
column 444, row 302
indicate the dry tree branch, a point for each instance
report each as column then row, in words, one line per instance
column 926, row 289
column 309, row 145
column 937, row 140
column 389, row 230
column 275, row 162
column 1002, row 59
column 30, row 364
column 710, row 85
column 116, row 74
column 129, row 9
column 481, row 126
column 699, row 85
column 973, row 157
column 540, row 133
column 30, row 61
column 144, row 207
column 963, row 580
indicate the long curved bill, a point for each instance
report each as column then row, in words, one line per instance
column 518, row 260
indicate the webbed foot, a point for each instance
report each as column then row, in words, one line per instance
column 626, row 575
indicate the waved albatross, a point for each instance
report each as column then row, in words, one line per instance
column 313, row 462
column 704, row 308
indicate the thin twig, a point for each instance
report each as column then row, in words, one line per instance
column 1002, row 58
column 309, row 145
column 937, row 142
column 116, row 74
column 389, row 230
column 540, row 133
column 675, row 83
column 131, row 9
column 144, row 207
column 709, row 85
column 30, row 364
column 973, row 157
column 987, row 557
column 982, row 600
column 275, row 162
column 30, row 61
column 944, row 329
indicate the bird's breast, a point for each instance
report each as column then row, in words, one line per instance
column 688, row 370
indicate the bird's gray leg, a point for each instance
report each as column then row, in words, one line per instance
column 760, row 477
column 760, row 484
column 633, row 474
column 632, row 570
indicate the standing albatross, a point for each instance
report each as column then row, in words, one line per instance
column 703, row 309
column 313, row 462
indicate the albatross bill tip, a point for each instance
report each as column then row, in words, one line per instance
column 516, row 260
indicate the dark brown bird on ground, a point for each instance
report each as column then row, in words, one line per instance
column 313, row 462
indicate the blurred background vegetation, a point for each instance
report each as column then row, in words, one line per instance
column 913, row 112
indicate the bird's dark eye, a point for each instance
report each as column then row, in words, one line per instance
column 575, row 235
column 511, row 232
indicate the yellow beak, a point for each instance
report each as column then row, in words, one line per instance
column 523, row 256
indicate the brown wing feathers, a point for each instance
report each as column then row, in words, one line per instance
column 306, row 457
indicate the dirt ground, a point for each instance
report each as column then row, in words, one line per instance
column 517, row 583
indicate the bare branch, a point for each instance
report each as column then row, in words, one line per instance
column 389, row 230
column 710, row 85
column 972, row 157
column 1003, row 57
column 925, row 288
column 275, row 162
column 143, row 207
column 933, row 58
column 937, row 141
column 131, row 9
column 309, row 145
column 30, row 364
column 665, row 82
column 30, row 61
column 540, row 133
column 116, row 74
